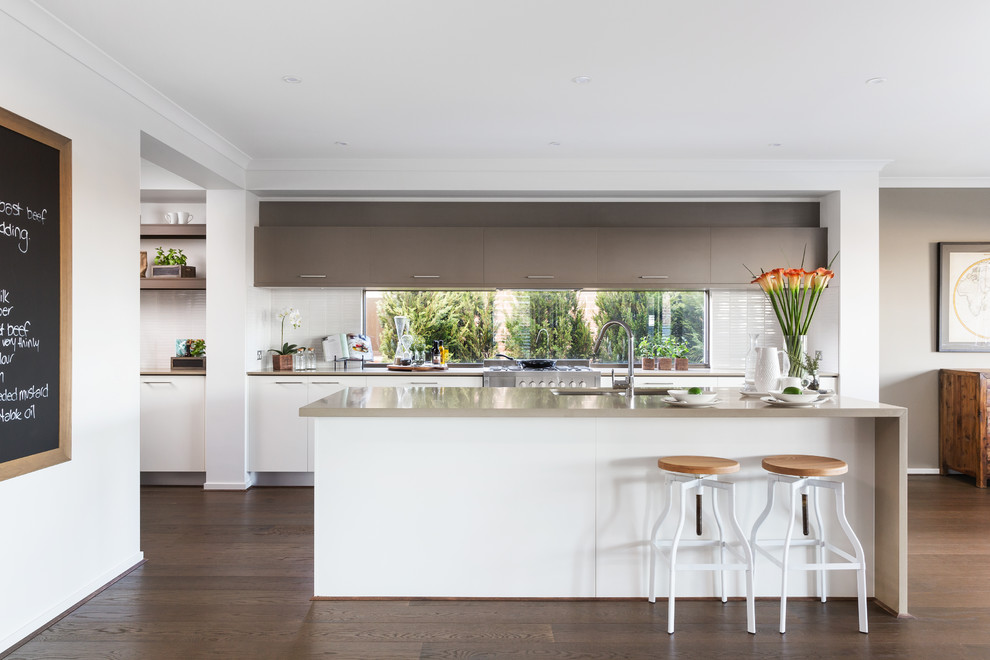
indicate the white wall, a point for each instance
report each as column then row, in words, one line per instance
column 912, row 223
column 71, row 528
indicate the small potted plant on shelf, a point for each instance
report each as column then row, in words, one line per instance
column 282, row 358
column 665, row 354
column 171, row 264
column 647, row 351
column 681, row 352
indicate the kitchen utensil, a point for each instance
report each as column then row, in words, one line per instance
column 530, row 364
column 178, row 218
column 787, row 404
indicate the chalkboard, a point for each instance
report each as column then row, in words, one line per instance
column 35, row 288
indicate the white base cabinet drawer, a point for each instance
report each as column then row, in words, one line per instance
column 173, row 423
column 279, row 440
column 425, row 380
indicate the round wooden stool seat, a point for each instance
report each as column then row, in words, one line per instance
column 801, row 465
column 698, row 465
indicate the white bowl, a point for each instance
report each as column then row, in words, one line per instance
column 804, row 397
column 682, row 395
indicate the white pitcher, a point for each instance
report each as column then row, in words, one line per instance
column 770, row 364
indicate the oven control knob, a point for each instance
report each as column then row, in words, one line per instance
column 572, row 384
column 582, row 384
column 522, row 383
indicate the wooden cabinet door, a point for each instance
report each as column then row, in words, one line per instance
column 277, row 435
column 541, row 257
column 311, row 256
column 410, row 257
column 173, row 423
column 734, row 249
column 644, row 257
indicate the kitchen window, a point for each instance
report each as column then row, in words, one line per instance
column 475, row 325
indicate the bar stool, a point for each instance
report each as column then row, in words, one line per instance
column 803, row 476
column 686, row 474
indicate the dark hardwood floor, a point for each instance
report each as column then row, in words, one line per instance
column 229, row 575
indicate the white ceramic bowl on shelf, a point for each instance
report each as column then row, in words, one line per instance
column 707, row 396
column 805, row 397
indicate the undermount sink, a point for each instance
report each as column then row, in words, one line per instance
column 601, row 391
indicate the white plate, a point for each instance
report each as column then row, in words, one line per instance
column 690, row 404
column 753, row 393
column 787, row 404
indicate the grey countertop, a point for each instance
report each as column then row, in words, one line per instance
column 417, row 401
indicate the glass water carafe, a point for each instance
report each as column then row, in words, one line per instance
column 750, row 373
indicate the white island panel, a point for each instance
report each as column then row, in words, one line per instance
column 445, row 508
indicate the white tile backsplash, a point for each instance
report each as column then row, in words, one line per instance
column 165, row 317
column 324, row 311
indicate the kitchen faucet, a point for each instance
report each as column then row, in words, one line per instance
column 542, row 330
column 618, row 384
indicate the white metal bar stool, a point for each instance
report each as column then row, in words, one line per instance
column 687, row 474
column 802, row 474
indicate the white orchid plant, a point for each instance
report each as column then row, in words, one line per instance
column 292, row 315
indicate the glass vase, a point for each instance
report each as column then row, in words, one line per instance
column 750, row 373
column 796, row 347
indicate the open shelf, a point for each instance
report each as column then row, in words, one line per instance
column 173, row 231
column 161, row 283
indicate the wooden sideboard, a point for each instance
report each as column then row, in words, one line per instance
column 963, row 443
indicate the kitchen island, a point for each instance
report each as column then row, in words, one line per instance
column 518, row 492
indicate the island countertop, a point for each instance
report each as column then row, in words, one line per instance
column 435, row 401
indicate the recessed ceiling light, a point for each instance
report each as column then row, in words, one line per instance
column 581, row 80
column 876, row 81
column 341, row 143
column 553, row 144
column 292, row 79
column 775, row 144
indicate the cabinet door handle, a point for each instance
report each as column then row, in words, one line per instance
column 288, row 382
column 157, row 382
column 326, row 382
column 314, row 276
column 654, row 277
column 426, row 382
column 540, row 277
column 425, row 277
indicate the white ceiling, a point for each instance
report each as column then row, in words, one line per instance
column 701, row 79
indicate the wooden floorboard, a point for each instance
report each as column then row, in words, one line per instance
column 230, row 575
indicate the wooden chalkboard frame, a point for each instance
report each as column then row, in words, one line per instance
column 63, row 145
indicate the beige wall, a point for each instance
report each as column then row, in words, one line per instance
column 912, row 223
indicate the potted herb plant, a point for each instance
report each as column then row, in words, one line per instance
column 171, row 264
column 681, row 352
column 646, row 351
column 282, row 358
column 665, row 354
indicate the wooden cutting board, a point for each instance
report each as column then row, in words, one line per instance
column 425, row 367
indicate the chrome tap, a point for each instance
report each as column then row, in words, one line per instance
column 542, row 330
column 626, row 384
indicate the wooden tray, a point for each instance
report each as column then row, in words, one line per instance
column 399, row 367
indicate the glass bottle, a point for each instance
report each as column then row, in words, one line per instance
column 750, row 373
column 436, row 352
column 310, row 359
column 440, row 348
column 299, row 360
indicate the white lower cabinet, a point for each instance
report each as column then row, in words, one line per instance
column 173, row 426
column 279, row 440
column 277, row 434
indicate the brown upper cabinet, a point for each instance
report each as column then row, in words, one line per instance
column 425, row 257
column 646, row 257
column 541, row 257
column 734, row 249
column 311, row 256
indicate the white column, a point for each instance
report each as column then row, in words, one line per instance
column 231, row 218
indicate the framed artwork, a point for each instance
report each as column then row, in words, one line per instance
column 964, row 297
